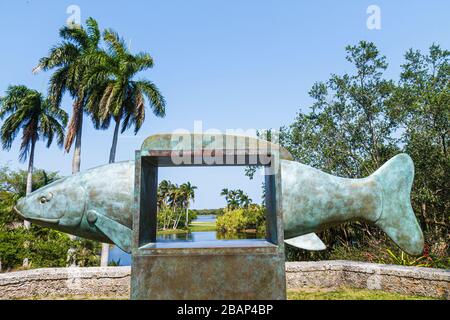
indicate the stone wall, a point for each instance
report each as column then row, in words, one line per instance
column 115, row 281
column 40, row 283
column 392, row 278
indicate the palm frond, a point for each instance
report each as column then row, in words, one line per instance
column 134, row 110
column 9, row 131
column 157, row 101
column 59, row 56
column 93, row 31
column 116, row 45
column 74, row 125
column 142, row 61
column 76, row 35
column 72, row 59
column 13, row 98
column 104, row 105
column 57, row 85
column 35, row 115
column 29, row 136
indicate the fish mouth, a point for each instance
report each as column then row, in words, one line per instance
column 45, row 220
column 18, row 212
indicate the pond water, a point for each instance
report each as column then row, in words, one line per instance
column 116, row 254
column 210, row 218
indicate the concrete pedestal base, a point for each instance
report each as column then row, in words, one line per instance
column 210, row 274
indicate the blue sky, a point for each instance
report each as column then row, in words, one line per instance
column 230, row 64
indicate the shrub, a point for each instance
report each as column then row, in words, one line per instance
column 44, row 248
column 240, row 220
column 168, row 217
column 379, row 249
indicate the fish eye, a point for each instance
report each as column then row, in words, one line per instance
column 45, row 199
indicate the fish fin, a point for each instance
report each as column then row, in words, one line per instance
column 397, row 218
column 308, row 241
column 119, row 234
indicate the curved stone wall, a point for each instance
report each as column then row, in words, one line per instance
column 115, row 281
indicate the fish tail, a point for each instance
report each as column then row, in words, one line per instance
column 397, row 218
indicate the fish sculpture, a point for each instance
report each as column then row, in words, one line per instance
column 97, row 204
column 313, row 201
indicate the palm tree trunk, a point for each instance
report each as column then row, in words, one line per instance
column 29, row 189
column 177, row 222
column 76, row 162
column 187, row 218
column 104, row 255
column 112, row 158
column 112, row 153
column 166, row 210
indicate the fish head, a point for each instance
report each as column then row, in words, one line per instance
column 59, row 205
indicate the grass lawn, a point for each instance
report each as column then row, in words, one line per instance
column 75, row 297
column 307, row 294
column 202, row 226
column 193, row 227
column 349, row 294
column 171, row 231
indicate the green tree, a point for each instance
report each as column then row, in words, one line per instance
column 359, row 120
column 422, row 105
column 71, row 59
column 118, row 96
column 28, row 110
column 349, row 131
column 188, row 191
column 236, row 199
column 243, row 199
column 176, row 201
column 13, row 187
column 242, row 220
column 173, row 204
column 42, row 247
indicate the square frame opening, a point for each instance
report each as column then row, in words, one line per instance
column 155, row 272
column 147, row 166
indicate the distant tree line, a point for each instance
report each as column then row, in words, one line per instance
column 203, row 212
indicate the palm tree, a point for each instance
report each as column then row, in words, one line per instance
column 236, row 199
column 175, row 201
column 72, row 59
column 230, row 198
column 119, row 96
column 243, row 199
column 225, row 192
column 164, row 190
column 28, row 110
column 189, row 194
column 233, row 201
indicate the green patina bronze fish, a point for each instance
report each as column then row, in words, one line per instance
column 313, row 201
column 97, row 204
